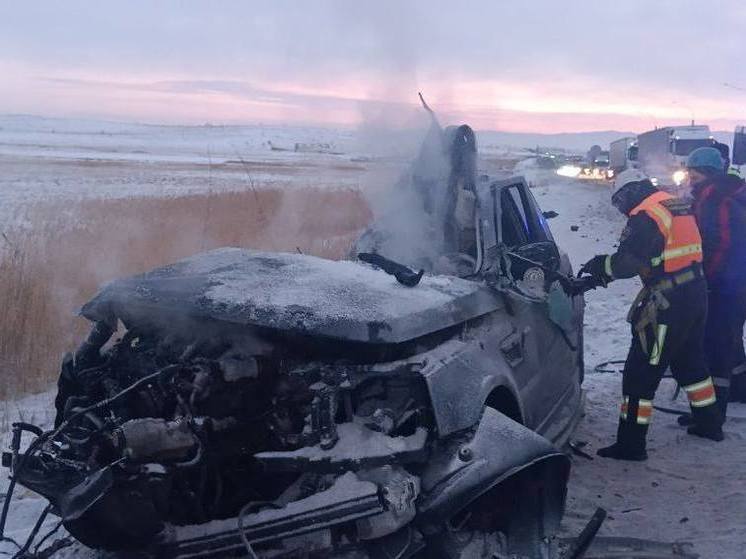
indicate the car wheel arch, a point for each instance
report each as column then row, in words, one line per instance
column 503, row 400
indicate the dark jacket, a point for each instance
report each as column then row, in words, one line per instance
column 720, row 209
column 641, row 240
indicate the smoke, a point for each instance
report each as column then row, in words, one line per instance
column 408, row 210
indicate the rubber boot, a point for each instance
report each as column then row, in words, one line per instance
column 722, row 394
column 629, row 445
column 708, row 423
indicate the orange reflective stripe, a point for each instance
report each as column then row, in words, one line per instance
column 701, row 394
column 644, row 410
column 683, row 243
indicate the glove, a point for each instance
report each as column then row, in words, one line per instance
column 596, row 268
column 578, row 286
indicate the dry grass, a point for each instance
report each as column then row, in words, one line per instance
column 47, row 271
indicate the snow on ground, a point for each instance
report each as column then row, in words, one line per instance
column 59, row 160
column 689, row 490
column 27, row 506
column 23, row 135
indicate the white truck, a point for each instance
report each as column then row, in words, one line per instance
column 662, row 152
column 738, row 154
column 622, row 154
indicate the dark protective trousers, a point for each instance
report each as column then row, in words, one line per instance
column 677, row 340
column 724, row 344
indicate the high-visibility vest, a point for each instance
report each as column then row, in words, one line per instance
column 683, row 243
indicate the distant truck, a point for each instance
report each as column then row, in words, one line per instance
column 662, row 152
column 739, row 147
column 622, row 154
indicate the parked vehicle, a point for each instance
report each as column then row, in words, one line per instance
column 662, row 152
column 271, row 404
column 622, row 154
column 597, row 168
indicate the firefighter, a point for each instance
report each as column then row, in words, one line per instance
column 720, row 209
column 661, row 244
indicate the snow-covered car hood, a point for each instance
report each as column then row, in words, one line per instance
column 298, row 293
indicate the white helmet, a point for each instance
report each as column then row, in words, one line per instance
column 626, row 177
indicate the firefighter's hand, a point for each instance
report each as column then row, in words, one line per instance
column 577, row 286
column 596, row 268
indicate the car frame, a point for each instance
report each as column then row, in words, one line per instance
column 495, row 366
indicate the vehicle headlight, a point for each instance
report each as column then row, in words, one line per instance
column 679, row 177
column 654, row 180
column 610, row 173
column 571, row 171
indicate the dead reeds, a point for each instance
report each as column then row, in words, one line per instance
column 49, row 268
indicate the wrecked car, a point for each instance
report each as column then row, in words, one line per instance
column 283, row 405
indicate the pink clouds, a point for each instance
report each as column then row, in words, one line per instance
column 552, row 104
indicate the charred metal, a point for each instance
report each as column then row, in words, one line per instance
column 281, row 405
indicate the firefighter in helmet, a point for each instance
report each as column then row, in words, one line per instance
column 662, row 245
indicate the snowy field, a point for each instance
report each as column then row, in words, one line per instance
column 45, row 160
column 689, row 490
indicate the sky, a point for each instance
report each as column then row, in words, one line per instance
column 511, row 65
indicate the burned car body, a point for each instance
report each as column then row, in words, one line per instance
column 282, row 405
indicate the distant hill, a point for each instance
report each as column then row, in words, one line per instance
column 569, row 141
column 572, row 141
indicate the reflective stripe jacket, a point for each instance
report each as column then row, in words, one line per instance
column 661, row 237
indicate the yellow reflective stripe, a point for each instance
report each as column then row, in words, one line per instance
column 681, row 251
column 644, row 412
column 655, row 355
column 607, row 266
column 676, row 253
column 701, row 394
column 698, row 386
column 663, row 215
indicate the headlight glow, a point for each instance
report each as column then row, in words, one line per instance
column 679, row 177
column 571, row 171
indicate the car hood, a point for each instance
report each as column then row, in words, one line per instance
column 296, row 293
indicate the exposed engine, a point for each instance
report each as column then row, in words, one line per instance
column 284, row 405
column 158, row 431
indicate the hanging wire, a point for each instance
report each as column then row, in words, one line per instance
column 48, row 535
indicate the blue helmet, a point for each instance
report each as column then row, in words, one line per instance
column 705, row 157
